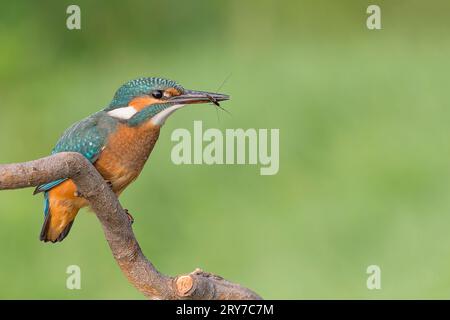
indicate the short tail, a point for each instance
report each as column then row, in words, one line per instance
column 58, row 221
column 49, row 233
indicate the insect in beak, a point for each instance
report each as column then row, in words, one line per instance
column 213, row 100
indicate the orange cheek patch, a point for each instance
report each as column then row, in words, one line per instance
column 173, row 92
column 141, row 102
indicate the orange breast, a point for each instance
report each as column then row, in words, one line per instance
column 125, row 154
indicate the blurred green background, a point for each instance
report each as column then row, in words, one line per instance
column 364, row 154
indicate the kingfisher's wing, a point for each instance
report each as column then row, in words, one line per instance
column 87, row 137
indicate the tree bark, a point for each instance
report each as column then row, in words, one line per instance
column 118, row 232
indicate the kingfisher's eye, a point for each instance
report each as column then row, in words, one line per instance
column 157, row 94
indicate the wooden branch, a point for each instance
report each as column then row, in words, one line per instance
column 118, row 232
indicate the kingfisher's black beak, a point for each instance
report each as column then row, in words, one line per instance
column 192, row 96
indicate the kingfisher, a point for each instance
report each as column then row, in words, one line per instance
column 118, row 141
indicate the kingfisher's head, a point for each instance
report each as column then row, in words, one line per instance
column 155, row 99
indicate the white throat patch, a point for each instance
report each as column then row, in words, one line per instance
column 124, row 113
column 161, row 117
